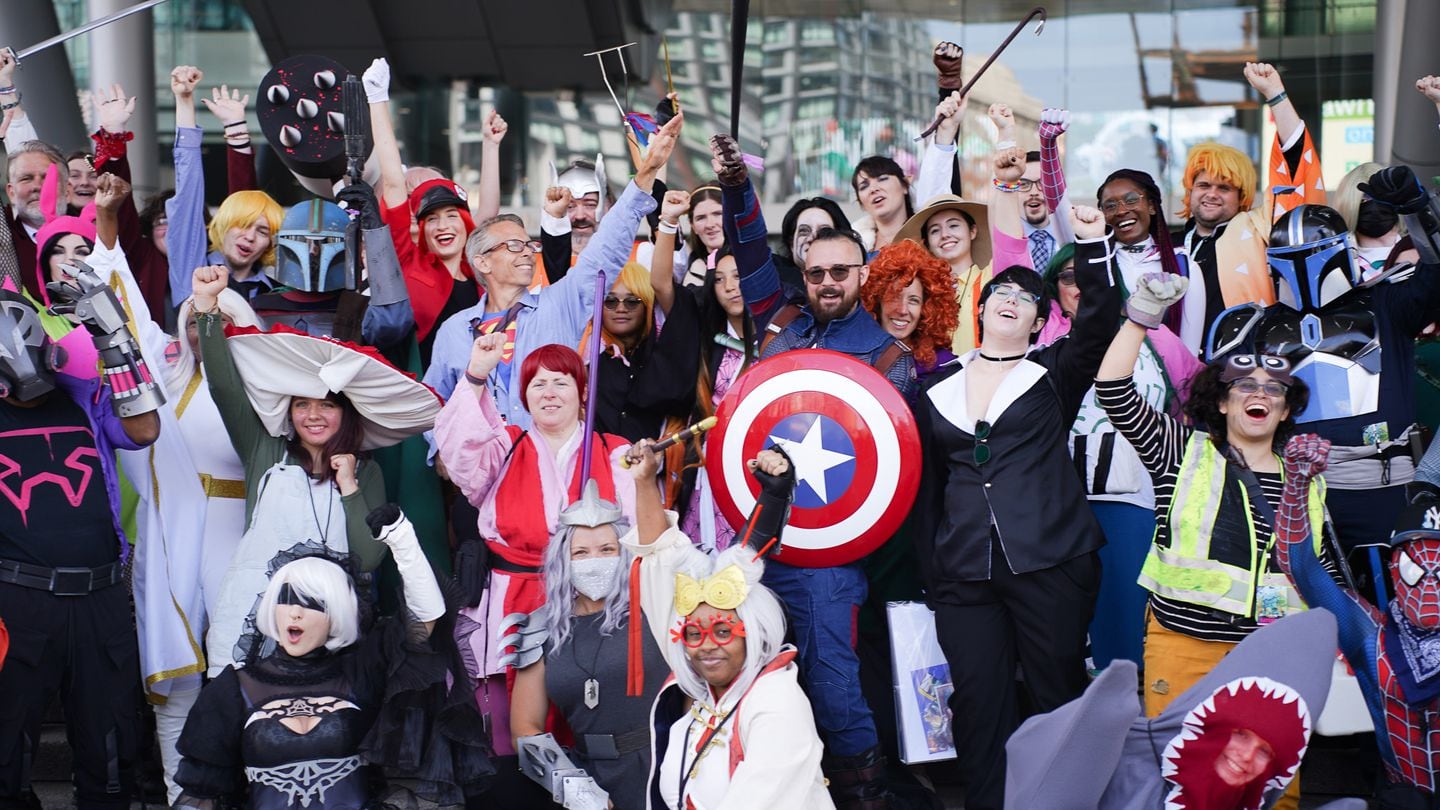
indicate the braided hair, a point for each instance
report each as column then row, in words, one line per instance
column 1159, row 231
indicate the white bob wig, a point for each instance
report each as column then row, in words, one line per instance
column 323, row 581
column 761, row 612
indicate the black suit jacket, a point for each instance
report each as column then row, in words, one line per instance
column 1028, row 488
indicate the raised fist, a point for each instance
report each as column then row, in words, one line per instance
column 183, row 80
column 1053, row 123
column 1265, row 79
column 1306, row 456
column 728, row 163
column 557, row 201
column 1155, row 293
column 948, row 60
column 1087, row 222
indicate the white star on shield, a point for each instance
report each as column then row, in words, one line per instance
column 811, row 459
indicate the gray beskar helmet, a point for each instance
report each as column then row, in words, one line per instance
column 310, row 248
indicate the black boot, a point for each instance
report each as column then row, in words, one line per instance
column 858, row 782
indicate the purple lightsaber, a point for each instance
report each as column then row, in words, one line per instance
column 597, row 326
column 1038, row 11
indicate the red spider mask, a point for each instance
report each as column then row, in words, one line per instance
column 1415, row 573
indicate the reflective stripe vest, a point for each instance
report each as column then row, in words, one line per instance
column 1213, row 558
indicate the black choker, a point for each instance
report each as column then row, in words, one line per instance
column 985, row 356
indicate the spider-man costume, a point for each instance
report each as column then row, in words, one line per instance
column 1396, row 657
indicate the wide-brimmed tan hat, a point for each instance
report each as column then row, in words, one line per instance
column 981, row 250
column 285, row 363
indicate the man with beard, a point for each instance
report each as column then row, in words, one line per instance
column 823, row 602
column 1224, row 237
column 570, row 213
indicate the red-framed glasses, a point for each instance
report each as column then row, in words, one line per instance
column 720, row 628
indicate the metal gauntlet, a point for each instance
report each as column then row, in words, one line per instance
column 544, row 761
column 132, row 390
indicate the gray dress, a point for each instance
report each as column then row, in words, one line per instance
column 586, row 654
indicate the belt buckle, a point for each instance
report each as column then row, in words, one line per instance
column 71, row 581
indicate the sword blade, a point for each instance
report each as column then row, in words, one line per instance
column 86, row 28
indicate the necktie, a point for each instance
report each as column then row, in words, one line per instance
column 1042, row 247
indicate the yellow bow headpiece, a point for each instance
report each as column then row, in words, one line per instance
column 725, row 589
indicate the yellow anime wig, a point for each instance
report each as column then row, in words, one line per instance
column 240, row 210
column 1224, row 163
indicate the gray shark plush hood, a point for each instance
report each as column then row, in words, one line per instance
column 1100, row 752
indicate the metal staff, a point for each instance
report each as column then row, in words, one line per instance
column 1038, row 11
column 84, row 29
column 674, row 438
column 597, row 326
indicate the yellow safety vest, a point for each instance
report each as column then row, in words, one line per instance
column 1186, row 569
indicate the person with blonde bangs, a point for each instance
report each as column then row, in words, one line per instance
column 1376, row 228
column 1226, row 232
column 241, row 236
column 910, row 291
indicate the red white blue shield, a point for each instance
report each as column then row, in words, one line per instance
column 851, row 437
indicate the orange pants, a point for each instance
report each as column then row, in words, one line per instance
column 1175, row 662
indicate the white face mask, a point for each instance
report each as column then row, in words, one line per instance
column 593, row 577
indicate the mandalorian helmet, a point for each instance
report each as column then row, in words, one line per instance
column 27, row 357
column 1312, row 258
column 310, row 248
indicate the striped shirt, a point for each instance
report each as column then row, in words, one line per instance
column 1160, row 440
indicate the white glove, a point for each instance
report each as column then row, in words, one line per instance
column 376, row 79
column 422, row 593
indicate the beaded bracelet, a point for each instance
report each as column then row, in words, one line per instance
column 1007, row 187
column 9, row 105
column 1276, row 100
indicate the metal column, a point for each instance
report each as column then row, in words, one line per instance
column 45, row 78
column 1405, row 121
column 124, row 52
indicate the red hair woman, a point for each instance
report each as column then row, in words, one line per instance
column 911, row 293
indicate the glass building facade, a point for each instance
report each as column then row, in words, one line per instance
column 827, row 83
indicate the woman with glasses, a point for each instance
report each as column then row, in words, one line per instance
column 1211, row 570
column 1005, row 543
column 733, row 728
column 519, row 480
column 1135, row 211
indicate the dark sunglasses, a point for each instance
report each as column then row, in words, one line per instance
column 839, row 272
column 982, row 435
column 613, row 303
column 1066, row 277
column 1249, row 385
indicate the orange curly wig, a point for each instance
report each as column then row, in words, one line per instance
column 892, row 270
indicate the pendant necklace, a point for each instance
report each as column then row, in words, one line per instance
column 592, row 684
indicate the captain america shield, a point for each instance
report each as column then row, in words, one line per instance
column 851, row 437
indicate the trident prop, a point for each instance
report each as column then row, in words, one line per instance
column 1038, row 11
column 618, row 50
column 84, row 29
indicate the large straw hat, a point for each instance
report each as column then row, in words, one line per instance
column 980, row 250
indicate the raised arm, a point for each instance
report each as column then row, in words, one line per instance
column 745, row 231
column 494, row 131
column 386, row 150
column 226, row 387
column 1429, row 87
column 1081, row 354
column 1006, row 218
column 228, row 107
column 470, row 435
column 937, row 164
column 555, row 232
column 662, row 262
column 1053, row 123
column 1306, row 456
column 186, row 210
column 1267, row 82
column 20, row 129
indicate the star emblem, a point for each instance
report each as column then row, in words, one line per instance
column 812, row 460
